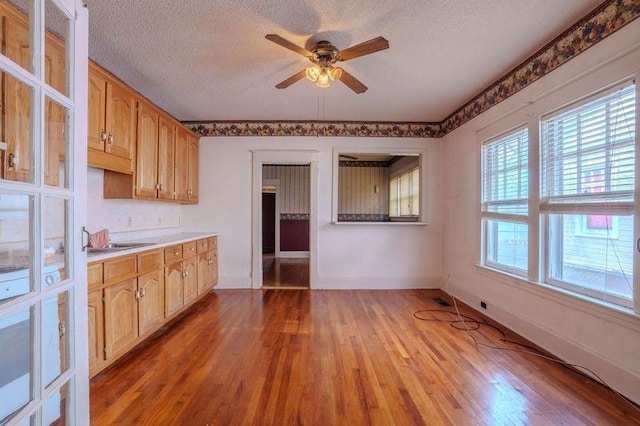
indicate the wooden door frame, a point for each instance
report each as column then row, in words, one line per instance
column 290, row 157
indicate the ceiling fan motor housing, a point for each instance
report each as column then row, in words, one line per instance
column 324, row 54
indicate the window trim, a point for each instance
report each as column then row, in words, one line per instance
column 486, row 215
column 581, row 204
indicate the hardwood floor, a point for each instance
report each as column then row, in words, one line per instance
column 339, row 358
column 284, row 272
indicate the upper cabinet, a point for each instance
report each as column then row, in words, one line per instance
column 194, row 157
column 111, row 132
column 146, row 153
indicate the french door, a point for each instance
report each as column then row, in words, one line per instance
column 43, row 298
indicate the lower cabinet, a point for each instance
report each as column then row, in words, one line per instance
column 190, row 273
column 132, row 296
column 96, row 332
column 174, row 289
column 150, row 302
column 120, row 317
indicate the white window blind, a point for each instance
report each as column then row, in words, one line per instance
column 587, row 195
column 505, row 192
column 588, row 153
column 505, row 174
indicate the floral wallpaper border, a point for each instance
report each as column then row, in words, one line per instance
column 603, row 21
column 314, row 128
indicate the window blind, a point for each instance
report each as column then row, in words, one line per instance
column 505, row 174
column 587, row 153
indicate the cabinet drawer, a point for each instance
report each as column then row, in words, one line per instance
column 119, row 269
column 172, row 254
column 213, row 243
column 203, row 245
column 149, row 261
column 189, row 249
column 94, row 275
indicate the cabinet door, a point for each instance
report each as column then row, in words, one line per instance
column 96, row 125
column 151, row 301
column 147, row 152
column 96, row 331
column 174, row 292
column 121, row 120
column 182, row 166
column 166, row 157
column 16, row 102
column 213, row 267
column 120, row 317
column 204, row 280
column 194, row 156
column 190, row 269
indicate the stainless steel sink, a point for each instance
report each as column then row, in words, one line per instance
column 116, row 247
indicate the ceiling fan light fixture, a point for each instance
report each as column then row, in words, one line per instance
column 323, row 78
column 313, row 72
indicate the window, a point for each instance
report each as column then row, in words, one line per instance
column 587, row 196
column 505, row 191
column 376, row 185
column 404, row 194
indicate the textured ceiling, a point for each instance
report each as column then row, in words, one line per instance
column 209, row 60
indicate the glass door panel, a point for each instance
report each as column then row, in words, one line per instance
column 56, row 133
column 16, row 335
column 56, row 40
column 16, row 262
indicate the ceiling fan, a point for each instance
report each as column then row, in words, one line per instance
column 324, row 55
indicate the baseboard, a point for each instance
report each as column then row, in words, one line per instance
column 624, row 381
column 233, row 282
column 377, row 283
column 293, row 254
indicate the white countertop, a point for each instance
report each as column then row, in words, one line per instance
column 157, row 242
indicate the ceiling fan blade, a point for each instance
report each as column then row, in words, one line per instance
column 287, row 44
column 348, row 157
column 351, row 82
column 293, row 79
column 364, row 48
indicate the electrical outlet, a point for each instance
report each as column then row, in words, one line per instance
column 483, row 305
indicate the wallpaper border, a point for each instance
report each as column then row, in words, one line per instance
column 603, row 21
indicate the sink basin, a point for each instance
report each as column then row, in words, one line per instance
column 116, row 247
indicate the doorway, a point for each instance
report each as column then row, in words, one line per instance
column 284, row 222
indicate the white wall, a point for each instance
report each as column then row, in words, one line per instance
column 579, row 331
column 128, row 219
column 349, row 256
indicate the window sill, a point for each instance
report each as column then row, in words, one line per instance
column 619, row 314
column 386, row 223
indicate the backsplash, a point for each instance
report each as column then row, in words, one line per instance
column 128, row 219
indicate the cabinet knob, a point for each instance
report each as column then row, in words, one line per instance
column 103, row 135
column 13, row 160
column 176, row 253
column 110, row 139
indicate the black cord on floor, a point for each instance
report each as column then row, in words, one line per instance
column 470, row 324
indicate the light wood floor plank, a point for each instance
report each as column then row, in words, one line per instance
column 249, row 357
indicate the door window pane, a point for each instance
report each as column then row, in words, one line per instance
column 15, row 255
column 17, row 143
column 17, row 39
column 56, row 49
column 56, row 346
column 56, row 407
column 55, row 232
column 56, row 133
column 15, row 362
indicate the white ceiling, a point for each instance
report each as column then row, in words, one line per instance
column 209, row 60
